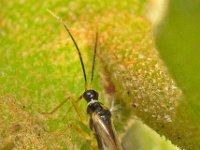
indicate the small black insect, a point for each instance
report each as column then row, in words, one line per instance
column 100, row 116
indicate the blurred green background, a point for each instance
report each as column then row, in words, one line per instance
column 178, row 42
column 39, row 67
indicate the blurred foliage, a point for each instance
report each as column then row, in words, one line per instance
column 151, row 140
column 178, row 41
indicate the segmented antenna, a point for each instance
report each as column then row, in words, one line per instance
column 94, row 57
column 77, row 48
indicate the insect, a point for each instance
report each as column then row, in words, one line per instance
column 100, row 121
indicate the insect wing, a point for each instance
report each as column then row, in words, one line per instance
column 105, row 134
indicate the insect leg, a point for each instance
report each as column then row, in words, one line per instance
column 56, row 108
column 114, row 107
column 76, row 108
column 69, row 98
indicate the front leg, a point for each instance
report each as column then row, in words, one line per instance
column 73, row 101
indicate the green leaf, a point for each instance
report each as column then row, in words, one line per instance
column 178, row 43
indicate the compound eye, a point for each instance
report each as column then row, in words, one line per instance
column 88, row 93
column 91, row 95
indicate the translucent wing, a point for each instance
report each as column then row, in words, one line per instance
column 105, row 134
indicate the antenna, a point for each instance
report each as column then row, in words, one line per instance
column 77, row 48
column 94, row 57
